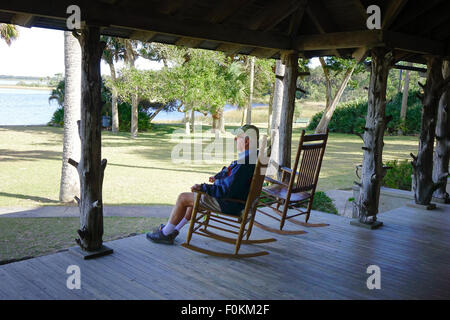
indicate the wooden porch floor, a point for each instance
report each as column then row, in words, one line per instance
column 412, row 249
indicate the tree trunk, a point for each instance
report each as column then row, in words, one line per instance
column 404, row 99
column 250, row 96
column 222, row 121
column 442, row 153
column 192, row 119
column 277, row 103
column 423, row 185
column 287, row 109
column 328, row 113
column 329, row 96
column 154, row 114
column 244, row 116
column 372, row 168
column 114, row 109
column 186, row 122
column 91, row 168
column 70, row 183
column 134, row 115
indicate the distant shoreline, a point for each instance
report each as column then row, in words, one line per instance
column 6, row 86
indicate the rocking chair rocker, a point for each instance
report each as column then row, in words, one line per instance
column 294, row 194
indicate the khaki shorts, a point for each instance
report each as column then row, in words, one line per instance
column 208, row 203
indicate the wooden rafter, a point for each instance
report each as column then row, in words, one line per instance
column 370, row 39
column 362, row 11
column 297, row 18
column 393, row 9
column 270, row 16
column 226, row 9
column 321, row 19
column 413, row 11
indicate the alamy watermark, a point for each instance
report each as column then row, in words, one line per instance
column 74, row 280
column 374, row 280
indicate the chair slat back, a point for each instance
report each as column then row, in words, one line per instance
column 308, row 161
column 258, row 177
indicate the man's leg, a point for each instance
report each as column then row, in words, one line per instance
column 181, row 209
column 180, row 215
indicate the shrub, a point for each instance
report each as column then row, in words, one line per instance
column 125, row 118
column 57, row 118
column 350, row 117
column 323, row 203
column 399, row 177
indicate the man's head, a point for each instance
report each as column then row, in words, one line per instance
column 247, row 137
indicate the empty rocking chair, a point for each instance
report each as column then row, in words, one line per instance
column 240, row 225
column 299, row 190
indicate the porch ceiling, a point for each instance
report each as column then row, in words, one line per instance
column 257, row 27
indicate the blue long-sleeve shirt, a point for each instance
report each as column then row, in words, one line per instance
column 232, row 182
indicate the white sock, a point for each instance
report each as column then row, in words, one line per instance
column 168, row 229
column 181, row 224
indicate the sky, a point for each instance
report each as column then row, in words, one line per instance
column 39, row 52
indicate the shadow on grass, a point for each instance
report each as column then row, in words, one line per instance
column 31, row 155
column 27, row 197
column 188, row 169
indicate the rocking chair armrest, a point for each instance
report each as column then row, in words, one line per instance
column 288, row 170
column 275, row 181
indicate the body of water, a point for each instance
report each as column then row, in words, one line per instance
column 31, row 107
column 25, row 106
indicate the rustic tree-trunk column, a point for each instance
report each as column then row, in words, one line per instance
column 442, row 152
column 91, row 168
column 372, row 168
column 423, row 185
column 287, row 109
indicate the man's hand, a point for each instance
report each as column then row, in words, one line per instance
column 195, row 187
column 212, row 179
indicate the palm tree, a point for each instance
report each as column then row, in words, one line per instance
column 57, row 94
column 8, row 32
column 113, row 52
column 70, row 183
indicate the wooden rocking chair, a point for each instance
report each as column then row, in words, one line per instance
column 203, row 219
column 295, row 193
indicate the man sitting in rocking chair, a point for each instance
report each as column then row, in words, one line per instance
column 232, row 182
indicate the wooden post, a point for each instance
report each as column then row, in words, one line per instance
column 423, row 185
column 442, row 152
column 372, row 168
column 91, row 168
column 287, row 108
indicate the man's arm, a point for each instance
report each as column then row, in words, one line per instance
column 221, row 189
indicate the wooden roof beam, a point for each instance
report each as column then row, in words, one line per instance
column 131, row 19
column 413, row 11
column 227, row 9
column 23, row 19
column 321, row 19
column 297, row 18
column 370, row 39
column 393, row 9
column 272, row 15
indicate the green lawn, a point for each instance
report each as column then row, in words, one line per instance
column 140, row 171
column 25, row 237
